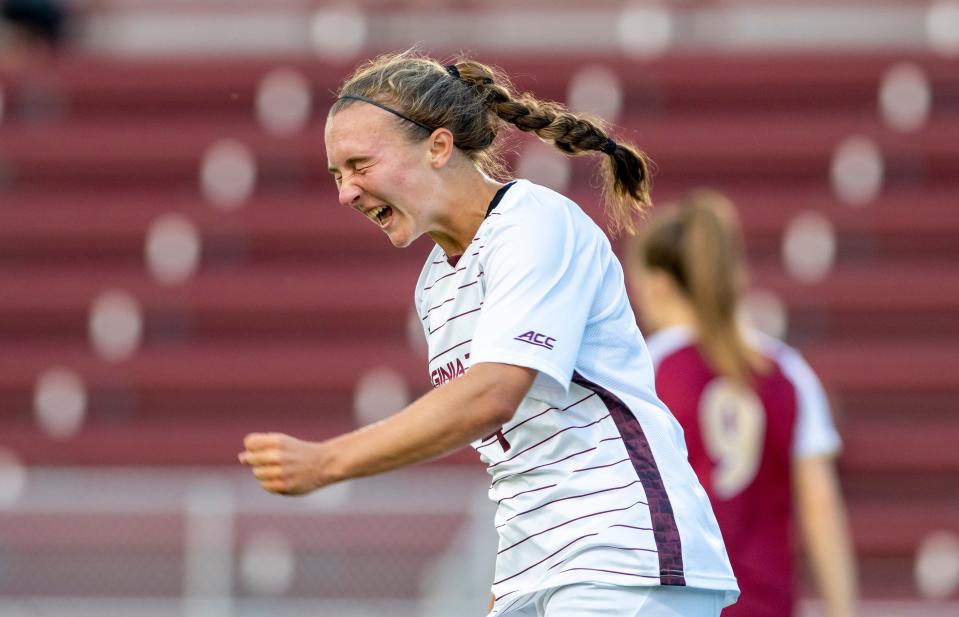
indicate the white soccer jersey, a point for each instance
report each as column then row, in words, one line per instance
column 590, row 476
column 815, row 433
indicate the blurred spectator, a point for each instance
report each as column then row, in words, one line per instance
column 32, row 35
column 31, row 32
column 758, row 425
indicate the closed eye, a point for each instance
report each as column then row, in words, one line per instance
column 338, row 177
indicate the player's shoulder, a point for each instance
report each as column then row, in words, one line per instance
column 787, row 358
column 533, row 222
column 524, row 195
column 531, row 207
column 667, row 342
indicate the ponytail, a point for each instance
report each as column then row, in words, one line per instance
column 625, row 170
column 700, row 247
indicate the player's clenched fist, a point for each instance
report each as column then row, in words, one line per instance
column 284, row 464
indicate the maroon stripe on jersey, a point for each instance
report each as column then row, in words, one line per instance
column 433, row 308
column 548, row 409
column 633, row 527
column 516, row 426
column 553, row 554
column 494, row 438
column 627, row 548
column 492, row 441
column 511, row 604
column 456, row 317
column 532, row 490
column 554, row 435
column 450, row 349
column 453, row 298
column 568, row 407
column 665, row 531
column 543, row 505
column 433, row 284
column 612, row 572
column 622, row 548
column 601, row 466
column 569, row 456
column 563, row 524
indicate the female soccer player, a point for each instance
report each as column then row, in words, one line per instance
column 757, row 422
column 534, row 353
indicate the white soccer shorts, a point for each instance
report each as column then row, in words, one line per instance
column 598, row 600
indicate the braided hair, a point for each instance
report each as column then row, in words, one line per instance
column 474, row 101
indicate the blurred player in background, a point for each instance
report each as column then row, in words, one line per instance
column 534, row 352
column 31, row 31
column 757, row 422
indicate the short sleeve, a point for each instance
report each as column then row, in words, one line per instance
column 815, row 432
column 541, row 279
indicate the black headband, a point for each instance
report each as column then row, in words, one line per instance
column 356, row 97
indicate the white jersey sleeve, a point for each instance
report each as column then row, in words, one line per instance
column 815, row 433
column 540, row 283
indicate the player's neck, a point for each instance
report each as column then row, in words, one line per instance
column 467, row 199
column 675, row 313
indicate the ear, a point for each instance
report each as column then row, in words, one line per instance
column 441, row 147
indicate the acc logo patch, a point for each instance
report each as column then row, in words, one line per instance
column 536, row 338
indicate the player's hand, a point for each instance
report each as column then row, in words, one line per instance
column 283, row 464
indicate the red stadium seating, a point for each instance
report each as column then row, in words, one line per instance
column 296, row 297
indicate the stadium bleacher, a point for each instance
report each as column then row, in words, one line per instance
column 294, row 298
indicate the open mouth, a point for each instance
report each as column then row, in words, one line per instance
column 381, row 216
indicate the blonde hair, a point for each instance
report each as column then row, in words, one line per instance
column 698, row 243
column 473, row 101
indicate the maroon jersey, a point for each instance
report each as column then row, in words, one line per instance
column 741, row 443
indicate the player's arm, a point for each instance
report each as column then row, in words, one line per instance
column 822, row 520
column 442, row 421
